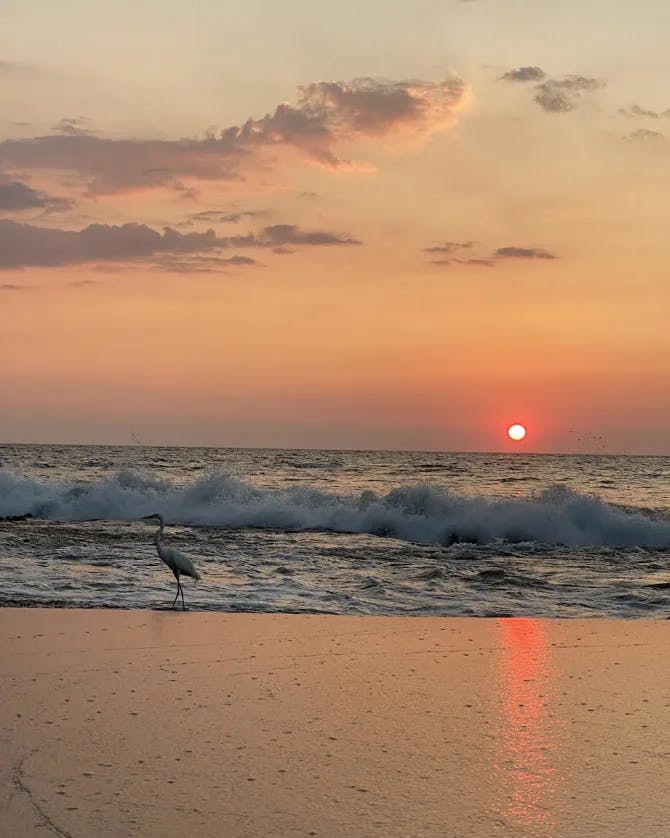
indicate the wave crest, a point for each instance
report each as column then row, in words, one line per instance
column 425, row 514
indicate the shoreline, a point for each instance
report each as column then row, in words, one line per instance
column 144, row 722
column 17, row 605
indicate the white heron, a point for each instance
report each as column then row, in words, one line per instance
column 174, row 559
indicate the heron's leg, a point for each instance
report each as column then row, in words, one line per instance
column 183, row 606
column 177, row 594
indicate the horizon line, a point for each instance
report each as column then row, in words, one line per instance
column 330, row 450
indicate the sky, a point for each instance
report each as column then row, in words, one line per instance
column 369, row 224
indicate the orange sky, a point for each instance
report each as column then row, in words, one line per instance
column 414, row 260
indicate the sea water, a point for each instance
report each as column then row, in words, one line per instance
column 341, row 532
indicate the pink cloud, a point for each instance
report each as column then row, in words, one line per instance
column 325, row 116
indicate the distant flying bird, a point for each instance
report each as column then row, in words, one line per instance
column 174, row 559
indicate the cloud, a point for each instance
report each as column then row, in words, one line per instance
column 280, row 235
column 636, row 110
column 522, row 253
column 486, row 263
column 23, row 245
column 82, row 283
column 448, row 247
column 201, row 264
column 524, row 74
column 15, row 195
column 18, row 69
column 502, row 253
column 645, row 135
column 326, row 115
column 560, row 95
column 27, row 245
column 472, row 263
column 240, row 260
column 107, row 166
column 374, row 107
column 223, row 216
column 10, row 286
column 74, row 126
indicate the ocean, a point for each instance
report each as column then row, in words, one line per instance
column 337, row 532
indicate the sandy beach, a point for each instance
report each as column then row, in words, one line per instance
column 142, row 723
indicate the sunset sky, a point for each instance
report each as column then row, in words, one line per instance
column 372, row 224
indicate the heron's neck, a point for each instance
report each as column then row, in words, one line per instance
column 159, row 533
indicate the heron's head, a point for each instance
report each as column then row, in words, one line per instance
column 155, row 516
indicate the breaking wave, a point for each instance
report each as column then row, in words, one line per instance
column 424, row 514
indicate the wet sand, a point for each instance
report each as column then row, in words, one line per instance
column 122, row 723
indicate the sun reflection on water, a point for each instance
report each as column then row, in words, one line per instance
column 526, row 761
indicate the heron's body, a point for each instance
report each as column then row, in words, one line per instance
column 176, row 560
column 178, row 563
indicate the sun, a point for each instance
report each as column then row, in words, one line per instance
column 516, row 432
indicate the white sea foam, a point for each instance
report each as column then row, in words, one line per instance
column 424, row 514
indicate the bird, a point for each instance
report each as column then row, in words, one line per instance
column 174, row 559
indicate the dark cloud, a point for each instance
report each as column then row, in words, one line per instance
column 280, row 235
column 202, row 264
column 485, row 263
column 524, row 74
column 23, row 245
column 560, row 95
column 448, row 247
column 27, row 245
column 19, row 69
column 552, row 98
column 224, row 217
column 522, row 253
column 108, row 166
column 644, row 135
column 82, row 283
column 326, row 114
column 472, row 263
column 509, row 252
column 15, row 195
column 636, row 110
column 241, row 260
column 10, row 286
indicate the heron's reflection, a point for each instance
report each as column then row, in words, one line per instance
column 527, row 759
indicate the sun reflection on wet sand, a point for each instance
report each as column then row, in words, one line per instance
column 526, row 761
